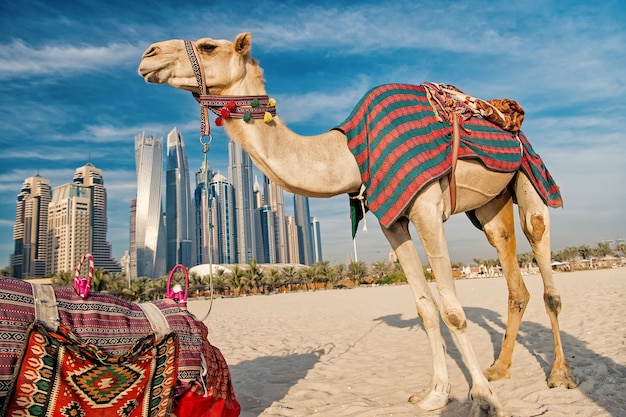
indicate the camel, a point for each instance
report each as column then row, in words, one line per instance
column 326, row 167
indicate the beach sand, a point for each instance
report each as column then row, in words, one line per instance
column 363, row 352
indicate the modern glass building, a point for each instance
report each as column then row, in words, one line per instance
column 224, row 231
column 69, row 227
column 317, row 240
column 88, row 176
column 305, row 234
column 30, row 233
column 148, row 255
column 240, row 175
column 179, row 210
column 274, row 197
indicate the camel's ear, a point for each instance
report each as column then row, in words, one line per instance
column 243, row 42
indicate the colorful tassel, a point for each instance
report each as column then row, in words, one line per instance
column 219, row 121
column 271, row 102
column 255, row 103
column 246, row 116
column 267, row 117
column 224, row 113
column 231, row 105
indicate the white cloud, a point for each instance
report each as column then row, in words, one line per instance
column 17, row 59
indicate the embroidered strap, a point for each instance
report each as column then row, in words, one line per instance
column 238, row 106
column 45, row 305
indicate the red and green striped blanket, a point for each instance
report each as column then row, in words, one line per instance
column 400, row 146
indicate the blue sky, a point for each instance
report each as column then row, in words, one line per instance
column 70, row 93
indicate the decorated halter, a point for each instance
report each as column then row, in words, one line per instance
column 226, row 107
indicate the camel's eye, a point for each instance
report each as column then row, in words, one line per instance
column 207, row 47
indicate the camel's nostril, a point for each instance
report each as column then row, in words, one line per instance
column 152, row 51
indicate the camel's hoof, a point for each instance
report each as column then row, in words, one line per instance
column 485, row 403
column 434, row 399
column 496, row 373
column 562, row 377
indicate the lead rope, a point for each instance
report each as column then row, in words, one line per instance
column 205, row 167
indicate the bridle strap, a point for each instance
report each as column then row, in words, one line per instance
column 242, row 107
column 194, row 58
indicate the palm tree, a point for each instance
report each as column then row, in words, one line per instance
column 569, row 255
column 237, row 280
column 272, row 278
column 357, row 271
column 255, row 277
column 63, row 278
column 321, row 272
column 380, row 270
column 289, row 275
column 604, row 249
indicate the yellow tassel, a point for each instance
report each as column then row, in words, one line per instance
column 271, row 102
column 267, row 117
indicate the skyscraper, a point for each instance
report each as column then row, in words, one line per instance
column 240, row 175
column 69, row 227
column 90, row 177
column 149, row 252
column 205, row 208
column 274, row 197
column 179, row 216
column 317, row 240
column 224, row 231
column 305, row 235
column 30, row 232
column 293, row 248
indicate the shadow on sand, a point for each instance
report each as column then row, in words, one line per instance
column 279, row 374
column 597, row 373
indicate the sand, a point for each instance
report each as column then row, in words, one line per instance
column 363, row 352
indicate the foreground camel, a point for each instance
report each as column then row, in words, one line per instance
column 220, row 71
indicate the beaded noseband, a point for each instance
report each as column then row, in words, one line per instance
column 226, row 107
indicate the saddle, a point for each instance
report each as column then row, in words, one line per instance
column 447, row 99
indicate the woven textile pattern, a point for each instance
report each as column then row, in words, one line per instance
column 62, row 376
column 115, row 326
column 400, row 146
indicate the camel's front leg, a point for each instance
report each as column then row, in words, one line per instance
column 426, row 214
column 400, row 240
column 497, row 220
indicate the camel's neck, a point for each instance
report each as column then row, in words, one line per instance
column 314, row 166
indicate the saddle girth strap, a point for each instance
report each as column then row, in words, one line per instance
column 456, row 138
column 45, row 302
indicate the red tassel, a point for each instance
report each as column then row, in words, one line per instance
column 224, row 113
column 231, row 105
column 219, row 121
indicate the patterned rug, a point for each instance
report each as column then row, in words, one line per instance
column 60, row 375
column 115, row 326
column 400, row 146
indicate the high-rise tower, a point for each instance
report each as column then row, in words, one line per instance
column 224, row 231
column 30, row 232
column 274, row 197
column 240, row 175
column 148, row 254
column 69, row 227
column 317, row 240
column 305, row 235
column 88, row 176
column 179, row 216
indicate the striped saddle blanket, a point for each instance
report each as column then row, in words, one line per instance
column 114, row 326
column 401, row 144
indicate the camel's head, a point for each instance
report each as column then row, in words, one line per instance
column 226, row 65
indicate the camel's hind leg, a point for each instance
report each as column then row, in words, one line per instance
column 535, row 221
column 498, row 224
